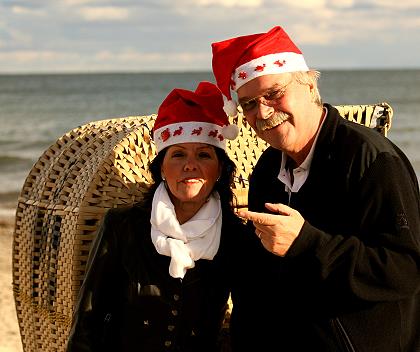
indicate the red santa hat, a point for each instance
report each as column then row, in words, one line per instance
column 186, row 116
column 238, row 60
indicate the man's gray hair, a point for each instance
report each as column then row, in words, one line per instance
column 309, row 77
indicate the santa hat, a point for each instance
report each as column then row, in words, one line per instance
column 238, row 60
column 186, row 116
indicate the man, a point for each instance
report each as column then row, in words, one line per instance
column 336, row 210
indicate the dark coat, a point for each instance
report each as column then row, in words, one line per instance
column 129, row 302
column 351, row 279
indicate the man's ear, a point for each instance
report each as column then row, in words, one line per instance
column 312, row 91
column 311, row 87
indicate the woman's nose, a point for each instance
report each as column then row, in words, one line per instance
column 190, row 164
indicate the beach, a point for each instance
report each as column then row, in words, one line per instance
column 9, row 330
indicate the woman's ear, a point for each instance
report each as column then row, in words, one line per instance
column 220, row 171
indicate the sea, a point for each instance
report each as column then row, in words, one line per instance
column 35, row 110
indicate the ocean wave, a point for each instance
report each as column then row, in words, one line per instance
column 12, row 164
column 11, row 159
column 8, row 197
column 8, row 203
column 16, row 145
column 12, row 182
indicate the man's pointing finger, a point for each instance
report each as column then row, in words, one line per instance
column 258, row 218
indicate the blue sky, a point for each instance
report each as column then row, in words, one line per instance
column 175, row 35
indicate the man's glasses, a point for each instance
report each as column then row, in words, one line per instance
column 270, row 98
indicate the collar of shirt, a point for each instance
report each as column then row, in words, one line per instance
column 300, row 174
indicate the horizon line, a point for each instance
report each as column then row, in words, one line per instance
column 180, row 71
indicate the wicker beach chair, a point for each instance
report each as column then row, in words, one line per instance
column 88, row 170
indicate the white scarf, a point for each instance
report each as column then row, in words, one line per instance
column 197, row 238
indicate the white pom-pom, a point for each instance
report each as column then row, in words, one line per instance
column 230, row 107
column 230, row 131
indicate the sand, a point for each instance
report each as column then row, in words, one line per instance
column 9, row 330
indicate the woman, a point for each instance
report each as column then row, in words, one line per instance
column 157, row 276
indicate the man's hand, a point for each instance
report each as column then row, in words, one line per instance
column 276, row 232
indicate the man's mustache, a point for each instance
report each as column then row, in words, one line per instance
column 274, row 120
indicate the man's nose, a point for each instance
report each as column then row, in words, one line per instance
column 264, row 111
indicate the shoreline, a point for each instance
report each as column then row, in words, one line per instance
column 10, row 340
column 8, row 204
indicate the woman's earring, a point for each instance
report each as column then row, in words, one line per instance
column 163, row 177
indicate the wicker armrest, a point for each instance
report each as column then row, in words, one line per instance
column 377, row 116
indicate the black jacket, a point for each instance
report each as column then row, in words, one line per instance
column 129, row 302
column 351, row 279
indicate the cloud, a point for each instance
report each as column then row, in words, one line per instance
column 309, row 4
column 21, row 10
column 401, row 4
column 88, row 35
column 151, row 61
column 186, row 5
column 308, row 35
column 341, row 3
column 230, row 3
column 79, row 2
column 21, row 37
column 106, row 60
column 413, row 23
column 108, row 13
column 25, row 56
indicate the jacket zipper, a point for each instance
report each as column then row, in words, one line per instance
column 343, row 335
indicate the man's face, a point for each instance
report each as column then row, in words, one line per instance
column 280, row 109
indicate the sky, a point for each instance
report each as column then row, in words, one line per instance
column 39, row 36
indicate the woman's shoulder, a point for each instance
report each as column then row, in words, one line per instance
column 123, row 227
column 268, row 163
column 124, row 215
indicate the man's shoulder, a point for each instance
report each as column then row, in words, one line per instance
column 354, row 135
column 270, row 154
column 358, row 136
column 269, row 161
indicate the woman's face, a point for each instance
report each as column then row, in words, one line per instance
column 190, row 170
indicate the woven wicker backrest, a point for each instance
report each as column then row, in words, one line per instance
column 88, row 170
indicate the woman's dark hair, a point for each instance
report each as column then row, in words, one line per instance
column 223, row 186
